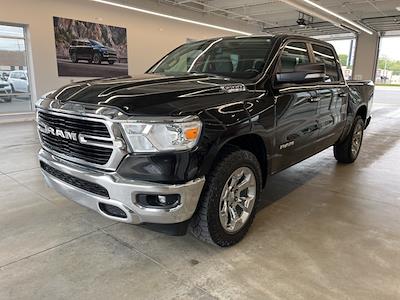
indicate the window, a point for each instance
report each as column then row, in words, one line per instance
column 326, row 56
column 345, row 50
column 294, row 53
column 15, row 94
column 236, row 57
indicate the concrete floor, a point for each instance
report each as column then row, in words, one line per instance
column 326, row 231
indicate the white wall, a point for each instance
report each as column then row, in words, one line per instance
column 149, row 37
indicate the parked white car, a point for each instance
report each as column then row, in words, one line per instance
column 19, row 81
column 5, row 91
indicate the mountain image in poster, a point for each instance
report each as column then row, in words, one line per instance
column 86, row 49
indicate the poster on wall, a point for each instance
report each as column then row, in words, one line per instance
column 86, row 49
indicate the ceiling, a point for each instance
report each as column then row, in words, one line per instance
column 278, row 17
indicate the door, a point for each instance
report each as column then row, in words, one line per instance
column 332, row 95
column 88, row 49
column 20, row 82
column 82, row 50
column 296, row 111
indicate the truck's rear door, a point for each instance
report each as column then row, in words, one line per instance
column 332, row 93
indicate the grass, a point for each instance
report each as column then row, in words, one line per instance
column 386, row 84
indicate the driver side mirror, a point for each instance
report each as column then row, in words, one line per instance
column 304, row 73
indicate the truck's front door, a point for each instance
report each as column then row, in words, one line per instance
column 296, row 128
column 332, row 94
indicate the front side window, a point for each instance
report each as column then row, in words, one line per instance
column 238, row 58
column 294, row 53
column 325, row 55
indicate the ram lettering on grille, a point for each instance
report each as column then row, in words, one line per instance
column 61, row 133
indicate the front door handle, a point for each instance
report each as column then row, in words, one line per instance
column 342, row 94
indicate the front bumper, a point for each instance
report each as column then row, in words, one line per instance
column 122, row 193
column 110, row 57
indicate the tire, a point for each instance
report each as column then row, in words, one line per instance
column 347, row 151
column 111, row 62
column 8, row 100
column 97, row 58
column 74, row 58
column 207, row 223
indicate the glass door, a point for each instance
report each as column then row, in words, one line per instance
column 15, row 92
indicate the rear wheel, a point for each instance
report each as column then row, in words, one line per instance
column 348, row 150
column 228, row 203
column 74, row 58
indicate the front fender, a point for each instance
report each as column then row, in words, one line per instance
column 220, row 125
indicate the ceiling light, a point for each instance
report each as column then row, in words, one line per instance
column 150, row 12
column 338, row 16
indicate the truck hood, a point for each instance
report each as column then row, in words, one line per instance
column 155, row 94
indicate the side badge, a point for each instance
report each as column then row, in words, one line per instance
column 286, row 145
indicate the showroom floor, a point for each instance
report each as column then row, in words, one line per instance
column 326, row 231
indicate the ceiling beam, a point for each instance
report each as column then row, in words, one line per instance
column 337, row 20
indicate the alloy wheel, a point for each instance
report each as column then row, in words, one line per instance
column 357, row 139
column 237, row 199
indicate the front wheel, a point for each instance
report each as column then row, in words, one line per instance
column 347, row 151
column 96, row 58
column 228, row 203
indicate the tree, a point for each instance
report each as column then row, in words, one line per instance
column 343, row 59
column 389, row 64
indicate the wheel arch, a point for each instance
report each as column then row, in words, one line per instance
column 253, row 143
column 362, row 111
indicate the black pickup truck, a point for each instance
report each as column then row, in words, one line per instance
column 192, row 142
column 92, row 51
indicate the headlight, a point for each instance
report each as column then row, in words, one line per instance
column 170, row 135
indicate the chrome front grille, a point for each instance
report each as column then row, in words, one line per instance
column 80, row 139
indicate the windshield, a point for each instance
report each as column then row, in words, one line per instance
column 97, row 43
column 237, row 58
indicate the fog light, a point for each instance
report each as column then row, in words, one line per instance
column 158, row 201
column 162, row 200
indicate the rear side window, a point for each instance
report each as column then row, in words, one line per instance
column 326, row 56
column 294, row 53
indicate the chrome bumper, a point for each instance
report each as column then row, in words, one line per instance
column 123, row 193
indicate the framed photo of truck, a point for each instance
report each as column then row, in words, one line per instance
column 86, row 49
